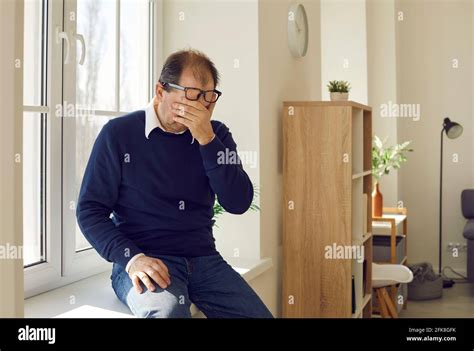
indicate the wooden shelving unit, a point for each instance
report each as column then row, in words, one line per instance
column 327, row 182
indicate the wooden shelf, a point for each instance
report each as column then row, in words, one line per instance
column 362, row 174
column 362, row 241
column 358, row 312
column 367, row 236
column 357, row 148
column 357, row 210
column 332, row 207
column 328, row 104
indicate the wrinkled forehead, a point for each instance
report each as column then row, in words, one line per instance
column 197, row 77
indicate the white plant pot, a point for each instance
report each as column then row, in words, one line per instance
column 339, row 96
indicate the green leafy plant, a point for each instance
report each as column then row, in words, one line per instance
column 339, row 86
column 218, row 209
column 384, row 159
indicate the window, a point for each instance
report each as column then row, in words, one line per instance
column 86, row 61
column 34, row 122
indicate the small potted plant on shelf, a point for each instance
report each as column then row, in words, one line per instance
column 339, row 90
column 384, row 159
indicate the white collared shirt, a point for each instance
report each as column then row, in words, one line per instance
column 152, row 121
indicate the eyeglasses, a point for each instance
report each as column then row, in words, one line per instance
column 194, row 94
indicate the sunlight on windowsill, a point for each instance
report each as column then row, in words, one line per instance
column 93, row 297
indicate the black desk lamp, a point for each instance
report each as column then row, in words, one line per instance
column 453, row 130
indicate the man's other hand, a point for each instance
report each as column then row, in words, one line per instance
column 149, row 269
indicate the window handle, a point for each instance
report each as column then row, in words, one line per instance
column 80, row 38
column 63, row 36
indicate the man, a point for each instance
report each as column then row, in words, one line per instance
column 157, row 171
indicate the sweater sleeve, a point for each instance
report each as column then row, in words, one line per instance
column 97, row 198
column 225, row 172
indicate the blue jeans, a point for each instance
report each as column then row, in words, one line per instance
column 207, row 281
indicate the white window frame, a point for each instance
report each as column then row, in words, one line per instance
column 37, row 277
column 63, row 265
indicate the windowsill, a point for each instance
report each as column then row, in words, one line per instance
column 93, row 297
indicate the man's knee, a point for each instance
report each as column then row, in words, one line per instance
column 167, row 311
column 159, row 305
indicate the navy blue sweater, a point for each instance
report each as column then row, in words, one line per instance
column 160, row 191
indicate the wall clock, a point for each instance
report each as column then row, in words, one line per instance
column 298, row 30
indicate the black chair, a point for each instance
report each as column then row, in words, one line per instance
column 467, row 205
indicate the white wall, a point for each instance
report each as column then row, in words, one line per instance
column 11, row 86
column 344, row 46
column 382, row 81
column 227, row 32
column 431, row 35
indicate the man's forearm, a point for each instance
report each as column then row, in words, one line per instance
column 229, row 181
column 104, row 236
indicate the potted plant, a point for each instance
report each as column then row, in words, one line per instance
column 384, row 159
column 339, row 90
column 218, row 209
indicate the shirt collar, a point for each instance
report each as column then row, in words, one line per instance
column 152, row 121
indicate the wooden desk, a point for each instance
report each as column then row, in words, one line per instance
column 393, row 223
